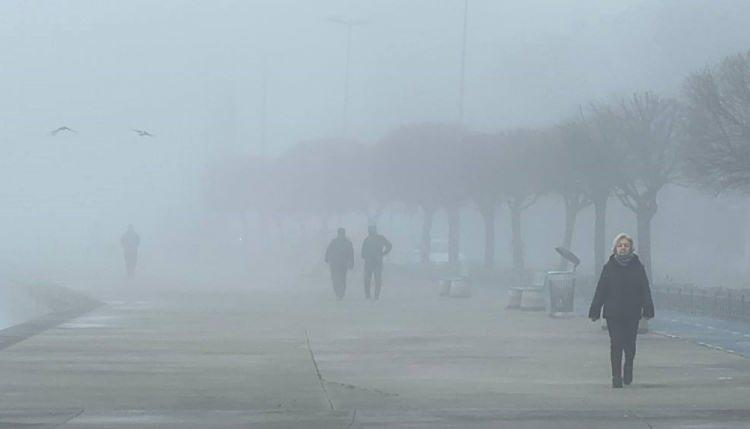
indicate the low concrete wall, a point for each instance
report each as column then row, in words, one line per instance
column 27, row 309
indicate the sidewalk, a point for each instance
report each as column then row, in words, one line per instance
column 414, row 359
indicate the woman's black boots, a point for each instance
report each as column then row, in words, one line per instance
column 627, row 376
column 616, row 382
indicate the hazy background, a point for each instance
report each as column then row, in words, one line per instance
column 191, row 73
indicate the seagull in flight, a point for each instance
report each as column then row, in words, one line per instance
column 142, row 133
column 63, row 128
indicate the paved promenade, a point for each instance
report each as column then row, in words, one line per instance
column 294, row 357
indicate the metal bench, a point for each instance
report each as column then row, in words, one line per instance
column 528, row 298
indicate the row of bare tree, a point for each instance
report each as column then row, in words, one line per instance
column 629, row 148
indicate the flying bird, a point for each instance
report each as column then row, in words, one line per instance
column 142, row 133
column 63, row 128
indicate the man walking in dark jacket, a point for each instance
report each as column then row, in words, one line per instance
column 340, row 258
column 374, row 248
column 624, row 293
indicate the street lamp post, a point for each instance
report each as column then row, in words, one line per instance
column 463, row 67
column 264, row 109
column 454, row 214
column 348, row 23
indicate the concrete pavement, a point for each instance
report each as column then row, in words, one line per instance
column 291, row 356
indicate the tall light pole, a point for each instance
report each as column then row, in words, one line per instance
column 454, row 213
column 264, row 108
column 463, row 67
column 348, row 23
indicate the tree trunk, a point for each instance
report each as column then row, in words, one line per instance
column 454, row 236
column 643, row 219
column 264, row 229
column 324, row 231
column 600, row 214
column 571, row 214
column 245, row 228
column 429, row 214
column 519, row 267
column 488, row 215
column 279, row 230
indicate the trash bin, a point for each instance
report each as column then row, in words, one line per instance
column 561, row 286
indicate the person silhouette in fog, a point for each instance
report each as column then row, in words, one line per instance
column 130, row 241
column 340, row 258
column 374, row 248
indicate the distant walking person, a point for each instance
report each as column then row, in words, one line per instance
column 374, row 248
column 340, row 258
column 130, row 241
column 624, row 293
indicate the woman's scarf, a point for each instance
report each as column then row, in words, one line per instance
column 624, row 260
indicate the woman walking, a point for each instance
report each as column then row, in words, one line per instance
column 624, row 293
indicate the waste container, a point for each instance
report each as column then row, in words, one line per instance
column 561, row 286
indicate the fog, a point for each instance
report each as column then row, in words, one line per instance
column 192, row 74
column 176, row 177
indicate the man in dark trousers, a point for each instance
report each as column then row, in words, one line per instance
column 374, row 248
column 340, row 258
column 130, row 241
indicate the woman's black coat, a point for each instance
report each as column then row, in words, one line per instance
column 623, row 291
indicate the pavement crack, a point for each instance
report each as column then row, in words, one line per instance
column 642, row 420
column 366, row 389
column 317, row 372
column 74, row 416
column 354, row 418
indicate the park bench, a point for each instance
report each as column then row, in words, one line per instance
column 455, row 287
column 528, row 298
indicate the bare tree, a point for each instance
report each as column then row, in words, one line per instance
column 417, row 164
column 570, row 184
column 487, row 183
column 590, row 151
column 645, row 129
column 528, row 172
column 717, row 149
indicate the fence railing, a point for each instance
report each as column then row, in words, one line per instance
column 721, row 303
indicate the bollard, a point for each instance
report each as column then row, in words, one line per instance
column 459, row 288
column 514, row 298
column 444, row 287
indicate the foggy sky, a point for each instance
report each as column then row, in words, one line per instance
column 191, row 73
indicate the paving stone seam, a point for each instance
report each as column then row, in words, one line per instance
column 354, row 419
column 643, row 420
column 73, row 417
column 702, row 344
column 317, row 371
column 41, row 324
